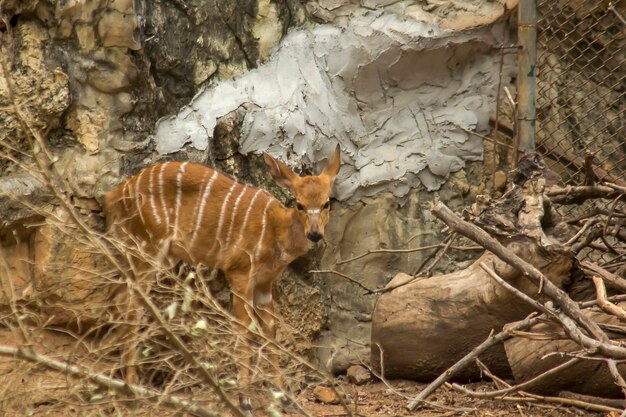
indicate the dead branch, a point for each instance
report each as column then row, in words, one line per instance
column 352, row 280
column 410, row 250
column 592, row 233
column 611, row 214
column 559, row 296
column 617, row 377
column 601, row 344
column 577, row 194
column 619, row 186
column 609, row 402
column 524, row 394
column 129, row 390
column 517, row 292
column 611, row 279
column 580, row 232
column 488, row 139
column 530, row 382
column 533, row 398
column 433, row 259
column 605, row 304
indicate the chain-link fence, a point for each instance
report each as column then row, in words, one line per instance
column 580, row 86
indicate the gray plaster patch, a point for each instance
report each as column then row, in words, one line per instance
column 394, row 92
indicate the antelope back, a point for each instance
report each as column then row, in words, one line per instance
column 203, row 215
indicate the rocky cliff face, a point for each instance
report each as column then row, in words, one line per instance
column 118, row 84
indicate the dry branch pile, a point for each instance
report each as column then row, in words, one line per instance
column 548, row 287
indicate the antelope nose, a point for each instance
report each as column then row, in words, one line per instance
column 314, row 236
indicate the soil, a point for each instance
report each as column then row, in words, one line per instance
column 374, row 399
column 379, row 399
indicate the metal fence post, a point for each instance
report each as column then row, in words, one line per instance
column 526, row 74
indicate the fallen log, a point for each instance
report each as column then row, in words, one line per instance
column 422, row 328
column 545, row 346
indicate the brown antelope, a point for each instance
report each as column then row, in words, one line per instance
column 186, row 211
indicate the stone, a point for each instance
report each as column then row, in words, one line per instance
column 202, row 71
column 41, row 90
column 358, row 375
column 116, row 30
column 500, row 180
column 86, row 36
column 115, row 74
column 325, row 395
column 86, row 124
column 66, row 276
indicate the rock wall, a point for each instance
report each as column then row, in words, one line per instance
column 398, row 94
column 118, row 84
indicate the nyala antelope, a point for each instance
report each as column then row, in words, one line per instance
column 182, row 211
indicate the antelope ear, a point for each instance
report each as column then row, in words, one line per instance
column 283, row 175
column 333, row 165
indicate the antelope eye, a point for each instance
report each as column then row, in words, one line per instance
column 299, row 206
column 326, row 205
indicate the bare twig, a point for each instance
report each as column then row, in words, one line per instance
column 617, row 377
column 478, row 235
column 533, row 398
column 611, row 279
column 605, row 304
column 435, row 257
column 619, row 187
column 352, row 280
column 517, row 292
column 410, row 250
column 529, row 383
column 580, row 232
column 509, row 97
column 591, row 234
column 488, row 139
column 609, row 402
column 204, row 373
column 616, row 13
column 580, row 193
column 611, row 214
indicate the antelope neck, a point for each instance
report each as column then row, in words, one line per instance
column 290, row 230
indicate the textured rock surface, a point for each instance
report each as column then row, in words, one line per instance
column 382, row 222
column 396, row 93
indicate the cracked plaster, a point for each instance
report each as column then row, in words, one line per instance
column 396, row 93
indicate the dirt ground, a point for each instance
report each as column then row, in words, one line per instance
column 378, row 399
column 370, row 400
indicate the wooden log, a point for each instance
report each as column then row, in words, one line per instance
column 534, row 352
column 420, row 329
